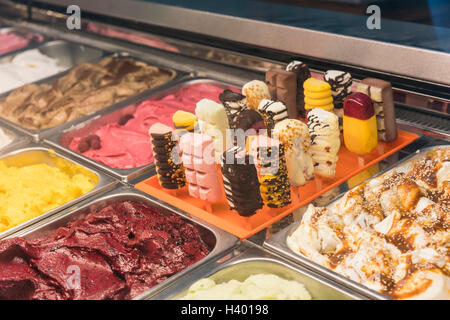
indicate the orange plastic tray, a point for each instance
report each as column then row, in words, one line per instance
column 220, row 215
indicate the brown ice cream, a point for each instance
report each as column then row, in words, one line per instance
column 85, row 89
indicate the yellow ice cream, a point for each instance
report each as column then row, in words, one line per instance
column 318, row 94
column 255, row 287
column 360, row 136
column 29, row 191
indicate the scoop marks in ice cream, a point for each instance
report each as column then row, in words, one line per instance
column 29, row 191
column 85, row 89
column 255, row 287
column 121, row 251
column 126, row 144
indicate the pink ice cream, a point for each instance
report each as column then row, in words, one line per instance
column 10, row 41
column 126, row 144
column 200, row 166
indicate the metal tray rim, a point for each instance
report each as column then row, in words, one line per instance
column 104, row 184
column 19, row 140
column 246, row 253
column 277, row 243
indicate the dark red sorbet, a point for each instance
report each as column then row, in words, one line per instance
column 115, row 253
column 358, row 105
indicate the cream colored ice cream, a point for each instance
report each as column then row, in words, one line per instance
column 4, row 139
column 27, row 67
column 390, row 234
column 255, row 287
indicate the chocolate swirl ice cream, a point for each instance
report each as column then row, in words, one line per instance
column 84, row 89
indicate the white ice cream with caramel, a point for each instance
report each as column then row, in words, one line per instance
column 390, row 234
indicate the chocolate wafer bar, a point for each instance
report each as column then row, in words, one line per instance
column 283, row 87
column 169, row 168
column 380, row 92
column 240, row 181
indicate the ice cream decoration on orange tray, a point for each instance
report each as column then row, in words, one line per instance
column 272, row 113
column 240, row 181
column 200, row 167
column 302, row 72
column 255, row 91
column 184, row 121
column 234, row 103
column 360, row 124
column 212, row 121
column 283, row 87
column 295, row 137
column 341, row 87
column 325, row 141
column 170, row 170
column 380, row 92
column 318, row 94
column 273, row 175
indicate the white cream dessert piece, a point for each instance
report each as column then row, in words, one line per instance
column 27, row 67
column 255, row 91
column 295, row 137
column 341, row 87
column 325, row 142
column 390, row 234
column 5, row 139
column 212, row 121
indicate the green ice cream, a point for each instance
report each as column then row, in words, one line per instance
column 255, row 287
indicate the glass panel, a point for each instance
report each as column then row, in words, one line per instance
column 419, row 23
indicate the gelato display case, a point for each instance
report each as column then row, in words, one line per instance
column 191, row 150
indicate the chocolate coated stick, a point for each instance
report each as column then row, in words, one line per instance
column 283, row 87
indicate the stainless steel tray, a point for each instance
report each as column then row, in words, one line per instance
column 23, row 32
column 40, row 134
column 35, row 153
column 248, row 260
column 61, row 140
column 18, row 140
column 67, row 54
column 277, row 243
column 216, row 240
